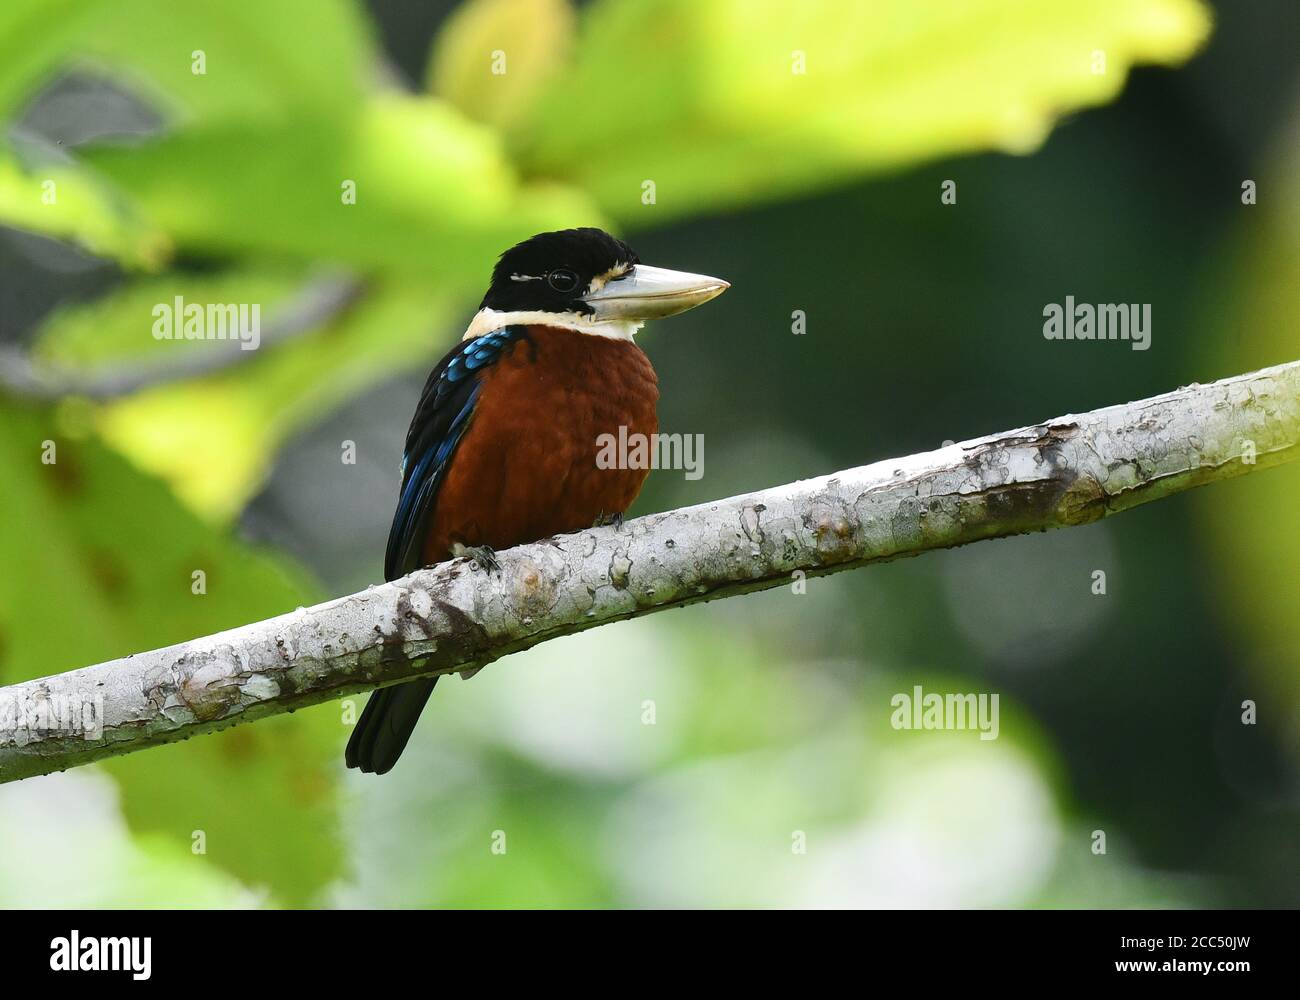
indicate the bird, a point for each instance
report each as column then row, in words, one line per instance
column 503, row 445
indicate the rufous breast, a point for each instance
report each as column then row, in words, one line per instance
column 527, row 466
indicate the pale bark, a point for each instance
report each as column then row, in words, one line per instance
column 455, row 617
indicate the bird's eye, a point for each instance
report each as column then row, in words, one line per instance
column 562, row 279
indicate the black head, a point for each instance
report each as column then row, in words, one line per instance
column 551, row 272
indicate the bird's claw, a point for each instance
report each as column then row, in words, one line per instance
column 483, row 556
column 603, row 520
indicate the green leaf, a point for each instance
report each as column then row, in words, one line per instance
column 254, row 61
column 118, row 328
column 739, row 100
column 63, row 200
column 264, row 149
column 35, row 36
column 434, row 195
column 256, row 75
column 494, row 56
column 73, row 850
column 212, row 438
column 264, row 797
column 101, row 561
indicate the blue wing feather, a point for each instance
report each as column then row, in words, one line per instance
column 445, row 410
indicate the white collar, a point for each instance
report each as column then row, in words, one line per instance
column 486, row 320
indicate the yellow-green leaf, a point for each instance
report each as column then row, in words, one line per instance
column 407, row 185
column 64, row 201
column 102, row 563
column 236, row 59
column 738, row 100
column 494, row 56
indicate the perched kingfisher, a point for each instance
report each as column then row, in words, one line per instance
column 502, row 448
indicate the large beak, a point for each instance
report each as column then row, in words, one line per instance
column 647, row 292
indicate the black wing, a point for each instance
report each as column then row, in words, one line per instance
column 444, row 412
column 445, row 409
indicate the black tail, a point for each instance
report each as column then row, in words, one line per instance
column 386, row 724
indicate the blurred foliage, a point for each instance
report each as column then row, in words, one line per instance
column 109, row 556
column 100, row 863
column 213, row 438
column 239, row 196
column 1260, row 306
column 84, row 211
column 254, row 159
column 536, row 36
column 808, row 94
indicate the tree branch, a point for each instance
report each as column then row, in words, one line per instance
column 453, row 617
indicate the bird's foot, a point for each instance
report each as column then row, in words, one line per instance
column 483, row 556
column 609, row 519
